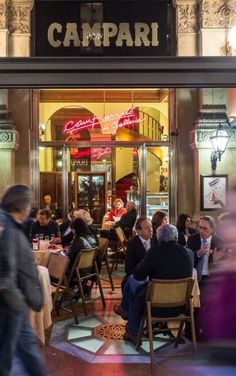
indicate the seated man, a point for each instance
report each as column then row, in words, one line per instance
column 169, row 260
column 128, row 219
column 138, row 246
column 45, row 227
column 204, row 244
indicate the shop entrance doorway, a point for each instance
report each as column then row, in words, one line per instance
column 91, row 177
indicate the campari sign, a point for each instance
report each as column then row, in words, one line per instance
column 108, row 28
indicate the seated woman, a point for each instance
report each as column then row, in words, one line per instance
column 83, row 239
column 117, row 211
column 85, row 215
column 159, row 218
column 184, row 230
column 114, row 216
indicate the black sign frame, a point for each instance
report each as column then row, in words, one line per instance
column 48, row 12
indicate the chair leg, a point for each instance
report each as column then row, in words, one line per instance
column 81, row 291
column 101, row 292
column 140, row 330
column 100, row 286
column 193, row 331
column 73, row 309
column 109, row 274
column 150, row 336
column 180, row 331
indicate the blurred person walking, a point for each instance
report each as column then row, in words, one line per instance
column 19, row 285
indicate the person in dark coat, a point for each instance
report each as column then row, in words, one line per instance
column 183, row 226
column 83, row 239
column 137, row 248
column 159, row 218
column 167, row 261
column 128, row 219
column 19, row 285
column 204, row 244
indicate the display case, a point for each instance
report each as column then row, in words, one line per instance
column 157, row 201
column 91, row 190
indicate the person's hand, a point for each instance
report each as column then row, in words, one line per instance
column 55, row 240
column 205, row 249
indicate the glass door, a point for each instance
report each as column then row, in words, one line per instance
column 157, row 179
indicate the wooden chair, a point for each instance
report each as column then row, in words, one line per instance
column 85, row 268
column 103, row 244
column 57, row 268
column 120, row 249
column 168, row 294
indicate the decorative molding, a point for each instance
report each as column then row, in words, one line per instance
column 9, row 139
column 217, row 14
column 187, row 16
column 200, row 139
column 19, row 16
column 3, row 14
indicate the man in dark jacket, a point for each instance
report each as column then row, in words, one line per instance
column 128, row 219
column 204, row 244
column 45, row 226
column 19, row 285
column 137, row 248
column 168, row 260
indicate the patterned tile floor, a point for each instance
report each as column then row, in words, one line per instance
column 84, row 349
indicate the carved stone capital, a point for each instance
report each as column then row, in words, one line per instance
column 217, row 13
column 19, row 16
column 9, row 139
column 3, row 14
column 200, row 139
column 187, row 16
column 5, row 120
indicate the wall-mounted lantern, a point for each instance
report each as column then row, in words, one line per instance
column 219, row 139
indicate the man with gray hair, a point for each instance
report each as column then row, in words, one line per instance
column 204, row 244
column 168, row 260
column 19, row 285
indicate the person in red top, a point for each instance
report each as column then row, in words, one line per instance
column 117, row 211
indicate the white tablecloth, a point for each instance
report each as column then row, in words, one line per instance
column 42, row 320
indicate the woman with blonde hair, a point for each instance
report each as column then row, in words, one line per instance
column 85, row 215
column 117, row 211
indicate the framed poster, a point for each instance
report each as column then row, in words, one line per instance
column 213, row 191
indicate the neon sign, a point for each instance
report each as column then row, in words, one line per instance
column 95, row 153
column 119, row 120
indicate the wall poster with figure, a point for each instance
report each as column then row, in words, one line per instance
column 213, row 191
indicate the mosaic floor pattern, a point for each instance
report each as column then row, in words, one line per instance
column 98, row 339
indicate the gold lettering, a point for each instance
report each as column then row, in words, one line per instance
column 141, row 34
column 124, row 35
column 109, row 30
column 71, row 35
column 53, row 28
column 91, row 33
column 154, row 27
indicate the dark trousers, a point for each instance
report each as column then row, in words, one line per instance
column 18, row 340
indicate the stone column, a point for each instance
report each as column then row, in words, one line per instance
column 213, row 111
column 4, row 28
column 8, row 145
column 216, row 18
column 187, row 27
column 19, row 27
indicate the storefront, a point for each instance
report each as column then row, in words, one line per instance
column 98, row 144
column 105, row 143
column 97, row 120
